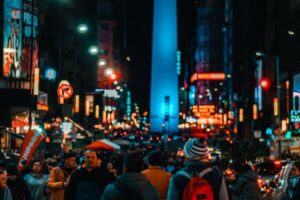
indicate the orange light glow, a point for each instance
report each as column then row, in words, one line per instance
column 216, row 76
column 277, row 162
column 275, row 104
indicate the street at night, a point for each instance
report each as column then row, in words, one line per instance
column 150, row 100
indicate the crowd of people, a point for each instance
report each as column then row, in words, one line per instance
column 133, row 175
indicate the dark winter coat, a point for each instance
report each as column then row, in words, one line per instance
column 85, row 185
column 130, row 186
column 194, row 167
column 18, row 187
column 246, row 187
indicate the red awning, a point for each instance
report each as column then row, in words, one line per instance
column 99, row 145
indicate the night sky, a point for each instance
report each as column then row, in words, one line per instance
column 139, row 42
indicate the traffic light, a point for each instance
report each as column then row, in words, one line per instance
column 264, row 83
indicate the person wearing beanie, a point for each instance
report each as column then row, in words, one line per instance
column 197, row 158
column 60, row 176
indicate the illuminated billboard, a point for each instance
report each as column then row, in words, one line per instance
column 30, row 32
column 12, row 39
column 18, row 25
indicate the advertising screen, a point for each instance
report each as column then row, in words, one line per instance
column 30, row 32
column 12, row 35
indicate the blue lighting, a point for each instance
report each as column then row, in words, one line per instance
column 295, row 115
column 164, row 79
column 50, row 74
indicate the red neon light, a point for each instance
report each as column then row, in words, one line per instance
column 214, row 76
column 265, row 84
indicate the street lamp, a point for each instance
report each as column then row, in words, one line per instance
column 93, row 50
column 108, row 71
column 291, row 33
column 82, row 28
column 102, row 62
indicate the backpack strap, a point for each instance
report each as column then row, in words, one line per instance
column 201, row 174
column 205, row 171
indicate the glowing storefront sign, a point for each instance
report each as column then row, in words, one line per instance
column 111, row 94
column 206, row 114
column 42, row 101
column 217, row 76
column 295, row 116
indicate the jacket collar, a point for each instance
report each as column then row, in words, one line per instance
column 198, row 164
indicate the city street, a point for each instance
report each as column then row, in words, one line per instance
column 160, row 99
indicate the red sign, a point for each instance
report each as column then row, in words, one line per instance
column 65, row 91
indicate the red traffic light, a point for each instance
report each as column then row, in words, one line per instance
column 265, row 84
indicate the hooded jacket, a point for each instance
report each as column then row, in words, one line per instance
column 246, row 187
column 130, row 186
column 194, row 167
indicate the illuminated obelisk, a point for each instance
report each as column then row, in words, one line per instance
column 164, row 79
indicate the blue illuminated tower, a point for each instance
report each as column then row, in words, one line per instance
column 164, row 79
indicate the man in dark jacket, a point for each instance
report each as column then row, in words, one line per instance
column 132, row 184
column 16, row 184
column 88, row 183
column 197, row 160
column 246, row 186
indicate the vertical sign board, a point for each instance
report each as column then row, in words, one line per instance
column 12, row 39
column 30, row 22
column 167, row 108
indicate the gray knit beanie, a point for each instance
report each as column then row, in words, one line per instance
column 196, row 148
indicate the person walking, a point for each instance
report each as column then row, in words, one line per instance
column 88, row 183
column 60, row 176
column 36, row 182
column 197, row 169
column 246, row 186
column 132, row 185
column 16, row 183
column 158, row 178
column 293, row 190
column 5, row 193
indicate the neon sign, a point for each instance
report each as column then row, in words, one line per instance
column 208, row 76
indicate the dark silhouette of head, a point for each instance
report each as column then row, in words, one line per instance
column 155, row 158
column 133, row 162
